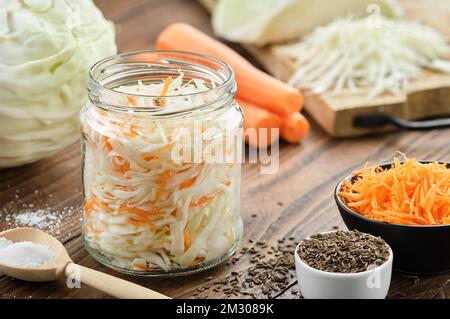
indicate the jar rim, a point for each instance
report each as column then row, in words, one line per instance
column 227, row 82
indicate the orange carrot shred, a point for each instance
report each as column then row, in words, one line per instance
column 201, row 201
column 188, row 183
column 197, row 260
column 165, row 90
column 132, row 100
column 149, row 158
column 187, row 240
column 162, row 184
column 408, row 193
column 108, row 145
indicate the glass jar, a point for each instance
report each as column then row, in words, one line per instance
column 162, row 141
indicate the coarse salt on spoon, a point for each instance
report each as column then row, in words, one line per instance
column 58, row 268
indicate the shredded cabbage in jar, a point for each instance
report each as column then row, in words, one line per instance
column 145, row 209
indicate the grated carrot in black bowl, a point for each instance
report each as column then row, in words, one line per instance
column 408, row 193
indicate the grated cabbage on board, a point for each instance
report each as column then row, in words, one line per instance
column 379, row 55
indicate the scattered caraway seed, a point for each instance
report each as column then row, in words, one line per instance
column 344, row 251
column 271, row 271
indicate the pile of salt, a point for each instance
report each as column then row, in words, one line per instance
column 39, row 218
column 24, row 254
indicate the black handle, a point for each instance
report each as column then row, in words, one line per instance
column 379, row 119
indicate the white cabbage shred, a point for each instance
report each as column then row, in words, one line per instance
column 143, row 209
column 46, row 49
column 375, row 56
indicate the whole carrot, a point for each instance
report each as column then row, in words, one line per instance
column 295, row 127
column 292, row 128
column 258, row 123
column 254, row 85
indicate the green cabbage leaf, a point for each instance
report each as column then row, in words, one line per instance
column 46, row 50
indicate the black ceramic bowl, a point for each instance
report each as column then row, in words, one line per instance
column 417, row 249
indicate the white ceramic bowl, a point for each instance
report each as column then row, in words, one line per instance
column 318, row 284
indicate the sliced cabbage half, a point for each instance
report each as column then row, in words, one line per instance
column 266, row 21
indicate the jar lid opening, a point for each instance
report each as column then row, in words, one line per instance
column 133, row 76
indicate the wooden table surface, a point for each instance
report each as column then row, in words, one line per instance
column 294, row 202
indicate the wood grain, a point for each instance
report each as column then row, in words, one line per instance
column 296, row 201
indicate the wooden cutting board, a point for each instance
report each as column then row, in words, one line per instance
column 428, row 96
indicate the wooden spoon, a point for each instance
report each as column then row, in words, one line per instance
column 59, row 266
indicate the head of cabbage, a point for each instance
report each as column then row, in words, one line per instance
column 46, row 50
